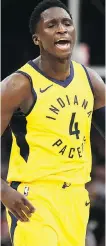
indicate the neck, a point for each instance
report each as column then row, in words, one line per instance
column 54, row 68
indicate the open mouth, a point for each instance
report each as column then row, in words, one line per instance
column 62, row 44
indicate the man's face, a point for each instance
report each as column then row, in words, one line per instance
column 56, row 33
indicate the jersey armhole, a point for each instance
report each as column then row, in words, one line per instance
column 89, row 80
column 32, row 90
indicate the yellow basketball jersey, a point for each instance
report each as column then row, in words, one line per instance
column 53, row 141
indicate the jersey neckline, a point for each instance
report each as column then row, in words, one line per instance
column 64, row 83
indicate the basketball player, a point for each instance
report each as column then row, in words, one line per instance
column 49, row 104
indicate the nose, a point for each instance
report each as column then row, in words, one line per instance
column 61, row 29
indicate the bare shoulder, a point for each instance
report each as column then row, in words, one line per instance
column 95, row 78
column 15, row 83
column 98, row 88
column 15, row 89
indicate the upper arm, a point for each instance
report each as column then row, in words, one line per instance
column 98, row 88
column 14, row 90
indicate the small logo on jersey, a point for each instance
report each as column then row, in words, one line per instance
column 65, row 185
column 43, row 90
column 87, row 203
column 26, row 190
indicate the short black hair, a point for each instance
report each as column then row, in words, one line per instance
column 42, row 6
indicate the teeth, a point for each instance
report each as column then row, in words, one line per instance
column 62, row 40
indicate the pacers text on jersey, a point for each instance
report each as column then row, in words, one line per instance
column 59, row 144
column 70, row 151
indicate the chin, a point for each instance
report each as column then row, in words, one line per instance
column 64, row 56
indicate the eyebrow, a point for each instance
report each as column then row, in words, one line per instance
column 63, row 19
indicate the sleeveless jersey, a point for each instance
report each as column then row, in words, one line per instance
column 52, row 141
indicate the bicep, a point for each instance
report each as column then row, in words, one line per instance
column 98, row 118
column 98, row 88
column 9, row 101
column 13, row 92
column 100, row 91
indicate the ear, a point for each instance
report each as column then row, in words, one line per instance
column 35, row 39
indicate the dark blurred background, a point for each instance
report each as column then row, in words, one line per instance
column 17, row 48
column 16, row 41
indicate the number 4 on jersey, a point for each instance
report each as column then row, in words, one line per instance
column 75, row 126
